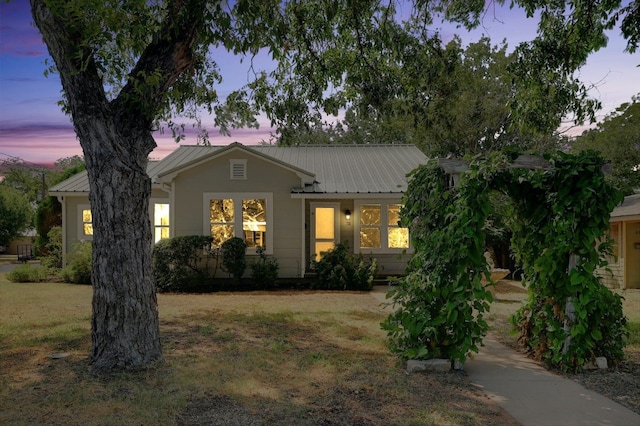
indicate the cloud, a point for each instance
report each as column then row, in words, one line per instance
column 19, row 38
column 46, row 142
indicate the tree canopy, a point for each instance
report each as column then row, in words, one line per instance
column 393, row 75
column 15, row 214
column 617, row 139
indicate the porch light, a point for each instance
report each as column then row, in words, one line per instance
column 347, row 214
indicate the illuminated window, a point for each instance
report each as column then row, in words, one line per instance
column 221, row 214
column 378, row 227
column 160, row 221
column 254, row 222
column 87, row 223
column 246, row 216
column 397, row 237
column 370, row 226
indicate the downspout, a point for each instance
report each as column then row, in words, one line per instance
column 63, row 202
column 303, row 248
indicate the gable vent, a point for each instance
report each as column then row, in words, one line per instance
column 238, row 169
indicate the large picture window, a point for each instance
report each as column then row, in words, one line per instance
column 246, row 216
column 378, row 227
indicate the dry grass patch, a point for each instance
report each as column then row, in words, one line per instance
column 303, row 358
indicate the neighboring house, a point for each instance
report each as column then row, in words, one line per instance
column 625, row 232
column 23, row 244
column 297, row 202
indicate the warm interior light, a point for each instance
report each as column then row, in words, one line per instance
column 347, row 214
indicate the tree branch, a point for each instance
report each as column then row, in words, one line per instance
column 169, row 56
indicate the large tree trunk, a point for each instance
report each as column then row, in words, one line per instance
column 125, row 327
column 115, row 135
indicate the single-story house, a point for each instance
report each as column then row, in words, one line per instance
column 625, row 233
column 296, row 201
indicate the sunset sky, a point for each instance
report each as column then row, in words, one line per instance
column 33, row 128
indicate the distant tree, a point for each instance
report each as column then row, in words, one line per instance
column 49, row 211
column 15, row 214
column 617, row 138
column 64, row 168
column 28, row 179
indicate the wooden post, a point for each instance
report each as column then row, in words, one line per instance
column 569, row 309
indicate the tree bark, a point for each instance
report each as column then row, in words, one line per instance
column 125, row 326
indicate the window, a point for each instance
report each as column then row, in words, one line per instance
column 397, row 237
column 246, row 216
column 86, row 223
column 378, row 227
column 254, row 222
column 160, row 221
column 221, row 213
column 370, row 226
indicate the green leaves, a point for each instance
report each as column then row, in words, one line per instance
column 567, row 216
column 557, row 213
column 442, row 288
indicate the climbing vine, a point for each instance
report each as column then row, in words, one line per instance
column 559, row 213
column 562, row 215
column 441, row 300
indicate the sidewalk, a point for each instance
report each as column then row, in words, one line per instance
column 535, row 396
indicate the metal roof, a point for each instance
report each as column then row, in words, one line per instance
column 76, row 183
column 338, row 169
column 630, row 206
column 352, row 168
column 80, row 182
column 188, row 155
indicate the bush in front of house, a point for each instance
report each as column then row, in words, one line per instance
column 78, row 268
column 27, row 273
column 234, row 257
column 184, row 263
column 264, row 272
column 339, row 269
column 53, row 249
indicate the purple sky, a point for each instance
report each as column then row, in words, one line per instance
column 32, row 126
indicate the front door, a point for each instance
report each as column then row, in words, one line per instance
column 325, row 229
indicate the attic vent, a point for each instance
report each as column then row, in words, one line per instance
column 238, row 169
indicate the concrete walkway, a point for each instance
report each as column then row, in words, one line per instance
column 533, row 395
column 537, row 397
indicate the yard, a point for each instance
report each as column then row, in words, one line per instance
column 252, row 358
column 255, row 358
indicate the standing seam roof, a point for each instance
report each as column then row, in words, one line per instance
column 339, row 169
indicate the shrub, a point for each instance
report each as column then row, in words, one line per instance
column 184, row 263
column 264, row 272
column 340, row 269
column 234, row 260
column 53, row 249
column 78, row 269
column 27, row 273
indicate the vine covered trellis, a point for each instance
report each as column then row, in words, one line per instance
column 560, row 211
